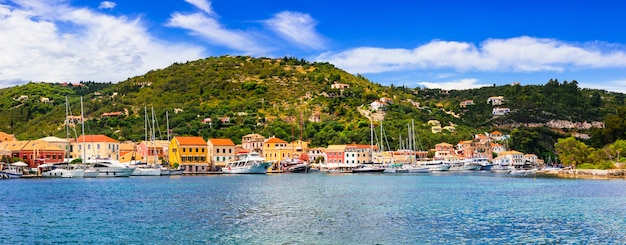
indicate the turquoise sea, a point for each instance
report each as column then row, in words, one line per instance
column 316, row 208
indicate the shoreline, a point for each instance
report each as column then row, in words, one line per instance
column 588, row 173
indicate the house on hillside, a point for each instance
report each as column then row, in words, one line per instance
column 378, row 105
column 500, row 111
column 340, row 86
column 495, row 100
column 111, row 114
column 466, row 103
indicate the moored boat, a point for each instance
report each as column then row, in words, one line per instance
column 110, row 168
column 247, row 163
column 368, row 169
column 14, row 170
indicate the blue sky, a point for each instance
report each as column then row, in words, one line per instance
column 436, row 44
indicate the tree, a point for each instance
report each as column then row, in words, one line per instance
column 571, row 151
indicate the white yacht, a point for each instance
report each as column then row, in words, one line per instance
column 52, row 171
column 248, row 163
column 142, row 169
column 110, row 168
column 435, row 166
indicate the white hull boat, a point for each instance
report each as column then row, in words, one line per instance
column 58, row 173
column 110, row 168
column 249, row 163
column 146, row 172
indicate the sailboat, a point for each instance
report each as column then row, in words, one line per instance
column 167, row 170
column 146, row 170
column 370, row 169
column 64, row 170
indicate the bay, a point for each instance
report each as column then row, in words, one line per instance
column 445, row 208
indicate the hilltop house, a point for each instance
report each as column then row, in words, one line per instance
column 500, row 111
column 495, row 100
column 465, row 103
column 377, row 105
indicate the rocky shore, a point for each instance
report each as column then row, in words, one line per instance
column 592, row 173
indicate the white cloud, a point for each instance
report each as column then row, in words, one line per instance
column 520, row 54
column 57, row 42
column 467, row 83
column 613, row 85
column 210, row 29
column 298, row 28
column 203, row 5
column 107, row 5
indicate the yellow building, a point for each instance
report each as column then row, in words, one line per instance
column 220, row 151
column 190, row 153
column 275, row 149
column 298, row 148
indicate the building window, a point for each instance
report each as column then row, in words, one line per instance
column 183, row 149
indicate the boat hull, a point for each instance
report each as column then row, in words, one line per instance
column 260, row 168
column 58, row 173
column 90, row 173
column 11, row 175
column 115, row 172
column 146, row 172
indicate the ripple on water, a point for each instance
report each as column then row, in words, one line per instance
column 314, row 209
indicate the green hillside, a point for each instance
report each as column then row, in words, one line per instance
column 291, row 98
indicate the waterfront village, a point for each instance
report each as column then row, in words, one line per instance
column 195, row 155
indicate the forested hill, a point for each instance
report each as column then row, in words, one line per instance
column 288, row 98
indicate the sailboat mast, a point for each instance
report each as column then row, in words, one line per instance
column 167, row 121
column 67, row 128
column 82, row 118
column 153, row 135
column 371, row 140
column 145, row 123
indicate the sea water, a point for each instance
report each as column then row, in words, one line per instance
column 315, row 208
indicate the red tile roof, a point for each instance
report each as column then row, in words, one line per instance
column 96, row 138
column 222, row 142
column 190, row 140
column 275, row 140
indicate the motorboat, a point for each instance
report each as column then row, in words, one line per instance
column 368, row 169
column 522, row 172
column 14, row 170
column 55, row 171
column 247, row 163
column 110, row 168
column 435, row 166
column 142, row 169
